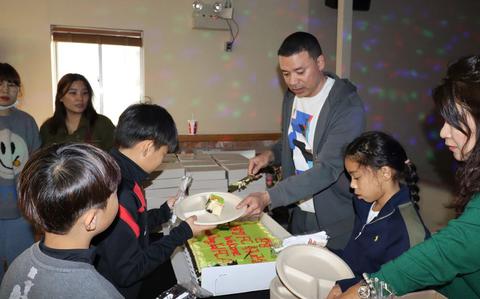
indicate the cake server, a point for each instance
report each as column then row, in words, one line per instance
column 242, row 184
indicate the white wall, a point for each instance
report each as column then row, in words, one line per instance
column 400, row 51
column 185, row 70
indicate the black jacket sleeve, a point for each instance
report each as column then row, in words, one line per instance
column 121, row 256
column 156, row 217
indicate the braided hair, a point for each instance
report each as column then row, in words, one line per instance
column 377, row 149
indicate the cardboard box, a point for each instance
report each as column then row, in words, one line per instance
column 168, row 171
column 229, row 157
column 194, row 156
column 236, row 172
column 224, row 280
column 213, row 185
column 199, row 163
column 163, row 183
column 157, row 197
column 170, row 158
column 206, row 173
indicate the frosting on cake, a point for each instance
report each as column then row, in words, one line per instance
column 215, row 204
column 235, row 243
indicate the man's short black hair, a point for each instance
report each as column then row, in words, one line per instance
column 141, row 122
column 298, row 42
column 61, row 182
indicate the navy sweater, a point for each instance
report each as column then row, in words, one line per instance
column 396, row 228
column 124, row 254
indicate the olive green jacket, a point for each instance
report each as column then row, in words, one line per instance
column 100, row 135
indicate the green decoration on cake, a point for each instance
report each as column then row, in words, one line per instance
column 215, row 204
column 240, row 243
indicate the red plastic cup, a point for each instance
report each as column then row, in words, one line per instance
column 192, row 126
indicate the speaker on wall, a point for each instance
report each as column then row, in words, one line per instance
column 362, row 5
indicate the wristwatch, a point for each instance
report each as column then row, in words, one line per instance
column 364, row 290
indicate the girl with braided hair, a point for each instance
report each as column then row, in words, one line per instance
column 387, row 221
column 449, row 261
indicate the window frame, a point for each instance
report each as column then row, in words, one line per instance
column 98, row 36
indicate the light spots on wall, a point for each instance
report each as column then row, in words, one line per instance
column 206, row 34
column 235, row 84
column 361, row 25
column 398, row 56
column 246, row 12
column 168, row 57
column 196, row 102
column 167, row 102
column 275, row 82
column 369, row 44
column 246, row 98
column 398, row 81
column 224, row 110
column 237, row 113
column 189, row 53
column 252, row 78
column 427, row 33
column 141, row 10
column 225, row 57
column 213, row 80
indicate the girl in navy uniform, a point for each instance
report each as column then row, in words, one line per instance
column 387, row 221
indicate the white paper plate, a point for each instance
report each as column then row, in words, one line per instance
column 195, row 205
column 310, row 271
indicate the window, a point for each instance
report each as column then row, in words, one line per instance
column 111, row 60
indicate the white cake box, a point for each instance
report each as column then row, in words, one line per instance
column 233, row 279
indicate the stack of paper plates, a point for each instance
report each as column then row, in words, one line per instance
column 310, row 271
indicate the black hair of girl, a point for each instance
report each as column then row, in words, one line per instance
column 58, row 120
column 461, row 86
column 9, row 73
column 377, row 149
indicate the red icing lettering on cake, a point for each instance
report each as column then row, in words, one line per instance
column 234, row 244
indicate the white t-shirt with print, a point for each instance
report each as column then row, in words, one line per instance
column 301, row 132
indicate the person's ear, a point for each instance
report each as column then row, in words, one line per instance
column 321, row 62
column 146, row 147
column 386, row 173
column 149, row 147
column 90, row 220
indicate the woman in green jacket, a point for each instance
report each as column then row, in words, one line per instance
column 450, row 260
column 75, row 119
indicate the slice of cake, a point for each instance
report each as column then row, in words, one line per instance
column 215, row 204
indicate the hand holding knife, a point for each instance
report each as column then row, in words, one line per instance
column 242, row 184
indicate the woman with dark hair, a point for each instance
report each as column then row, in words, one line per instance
column 75, row 118
column 449, row 261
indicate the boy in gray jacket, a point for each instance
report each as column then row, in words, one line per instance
column 68, row 192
